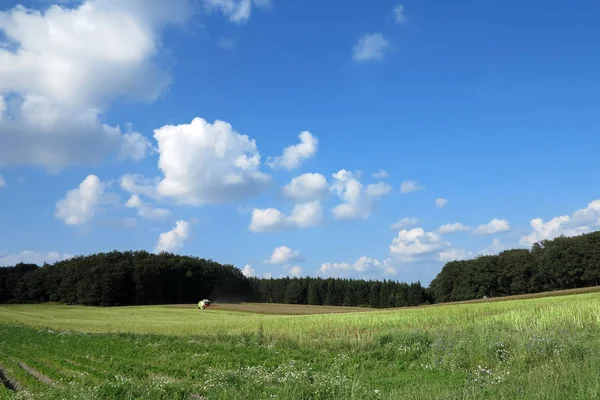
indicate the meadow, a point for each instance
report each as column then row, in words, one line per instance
column 541, row 348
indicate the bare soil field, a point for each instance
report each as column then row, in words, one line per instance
column 281, row 309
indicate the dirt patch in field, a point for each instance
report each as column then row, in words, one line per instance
column 285, row 309
column 7, row 381
column 36, row 374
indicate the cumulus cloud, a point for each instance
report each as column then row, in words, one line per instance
column 271, row 219
column 146, row 210
column 581, row 221
column 63, row 66
column 381, row 174
column 454, row 255
column 306, row 187
column 370, row 47
column 248, row 270
column 358, row 202
column 2, row 181
column 451, row 228
column 494, row 226
column 32, row 257
column 410, row 244
column 400, row 14
column 293, row 156
column 174, row 239
column 237, row 11
column 404, row 222
column 285, row 255
column 410, row 186
column 495, row 248
column 378, row 189
column 441, row 203
column 206, row 163
column 295, row 271
column 81, row 204
column 138, row 184
column 364, row 265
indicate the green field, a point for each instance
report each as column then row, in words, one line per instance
column 545, row 348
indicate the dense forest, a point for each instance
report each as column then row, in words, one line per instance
column 121, row 278
column 561, row 263
column 136, row 278
column 339, row 292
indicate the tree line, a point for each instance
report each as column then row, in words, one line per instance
column 561, row 263
column 339, row 292
column 137, row 278
column 123, row 278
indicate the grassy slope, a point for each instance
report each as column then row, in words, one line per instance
column 282, row 309
column 544, row 349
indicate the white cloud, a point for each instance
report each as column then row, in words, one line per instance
column 237, row 11
column 63, row 67
column 284, row 255
column 2, row 181
column 268, row 219
column 306, row 187
column 248, row 271
column 306, row 215
column 32, row 257
column 581, row 221
column 378, row 189
column 295, row 271
column 174, row 239
column 381, row 174
column 400, row 14
column 495, row 248
column 271, row 219
column 81, row 204
column 207, row 163
column 454, row 255
column 370, row 47
column 363, row 265
column 293, row 156
column 404, row 222
column 494, row 226
column 413, row 243
column 410, row 186
column 146, row 210
column 357, row 201
column 441, row 203
column 451, row 228
column 267, row 275
column 138, row 184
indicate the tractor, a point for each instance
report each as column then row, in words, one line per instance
column 203, row 304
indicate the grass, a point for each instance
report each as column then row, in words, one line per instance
column 544, row 348
column 282, row 309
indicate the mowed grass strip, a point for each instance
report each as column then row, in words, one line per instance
column 280, row 309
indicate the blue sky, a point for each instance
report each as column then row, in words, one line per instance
column 109, row 139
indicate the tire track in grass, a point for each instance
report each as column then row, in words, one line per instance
column 36, row 374
column 36, row 362
column 7, row 381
